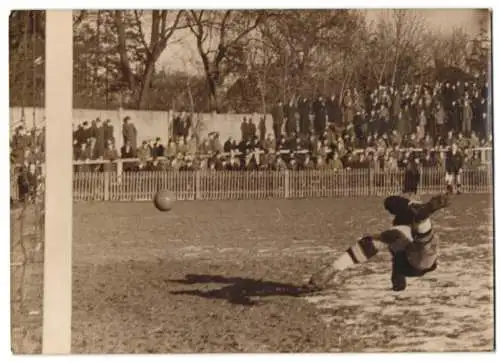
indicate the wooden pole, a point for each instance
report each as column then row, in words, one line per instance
column 59, row 182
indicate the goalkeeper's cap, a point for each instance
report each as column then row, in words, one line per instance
column 399, row 206
column 396, row 205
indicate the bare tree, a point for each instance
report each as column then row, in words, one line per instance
column 405, row 29
column 309, row 46
column 164, row 24
column 221, row 37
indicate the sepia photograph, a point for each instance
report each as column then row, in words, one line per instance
column 251, row 181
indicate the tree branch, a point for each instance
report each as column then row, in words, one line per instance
column 142, row 37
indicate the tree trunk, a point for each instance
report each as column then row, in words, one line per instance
column 122, row 50
column 212, row 96
column 146, row 83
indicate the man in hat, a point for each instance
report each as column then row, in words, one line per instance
column 129, row 133
column 411, row 241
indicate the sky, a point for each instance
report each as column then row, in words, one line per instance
column 182, row 55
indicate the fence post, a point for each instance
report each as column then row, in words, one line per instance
column 484, row 158
column 119, row 171
column 287, row 184
column 197, row 185
column 106, row 185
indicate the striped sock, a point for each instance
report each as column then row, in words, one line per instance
column 358, row 253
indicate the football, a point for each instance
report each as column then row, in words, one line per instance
column 164, row 200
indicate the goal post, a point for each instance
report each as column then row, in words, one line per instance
column 57, row 304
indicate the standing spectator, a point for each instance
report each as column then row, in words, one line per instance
column 78, row 136
column 215, row 144
column 252, row 129
column 454, row 116
column 439, row 117
column 228, row 145
column 129, row 133
column 467, row 118
column 158, row 150
column 187, row 125
column 454, row 165
column 93, row 128
column 348, row 105
column 450, row 139
column 269, row 144
column 245, row 131
column 412, row 176
column 320, row 114
column 395, row 138
column 291, row 124
column 143, row 153
column 333, row 110
column 384, row 120
column 291, row 113
column 304, row 109
column 422, row 120
column 336, row 163
column 110, row 154
column 20, row 142
column 420, row 133
column 474, row 140
column 27, row 182
column 177, row 126
column 462, row 142
column 405, row 123
column 83, row 155
column 125, row 153
column 108, row 131
column 93, row 149
column 372, row 122
column 87, row 132
column 427, row 142
column 205, row 149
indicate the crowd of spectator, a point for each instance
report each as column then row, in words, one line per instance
column 376, row 130
column 372, row 129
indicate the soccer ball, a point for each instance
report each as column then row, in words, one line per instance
column 164, row 200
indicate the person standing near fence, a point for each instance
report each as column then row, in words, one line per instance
column 454, row 164
column 467, row 117
column 412, row 176
column 27, row 182
column 244, row 129
column 440, row 119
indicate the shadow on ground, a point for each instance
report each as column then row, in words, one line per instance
column 238, row 290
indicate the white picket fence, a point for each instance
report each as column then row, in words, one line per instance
column 253, row 185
